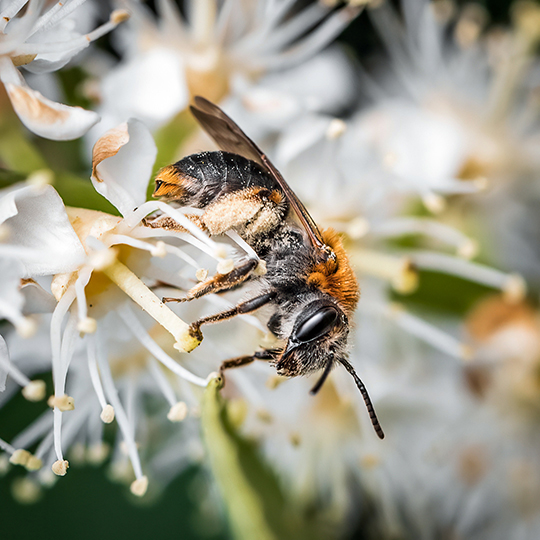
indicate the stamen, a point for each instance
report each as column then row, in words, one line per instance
column 138, row 487
column 58, row 12
column 78, row 43
column 39, row 428
column 156, row 250
column 60, row 467
column 86, row 324
column 398, row 270
column 107, row 413
column 178, row 412
column 162, row 382
column 465, row 246
column 25, row 490
column 62, row 403
column 233, row 235
column 315, row 41
column 25, row 326
column 427, row 332
column 147, row 208
column 62, row 350
column 154, row 349
column 512, row 285
column 146, row 299
column 6, row 447
column 121, row 416
column 34, row 390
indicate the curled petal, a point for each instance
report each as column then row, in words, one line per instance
column 122, row 162
column 47, row 118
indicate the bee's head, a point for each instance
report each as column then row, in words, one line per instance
column 318, row 341
column 319, row 334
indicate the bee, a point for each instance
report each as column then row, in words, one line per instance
column 309, row 282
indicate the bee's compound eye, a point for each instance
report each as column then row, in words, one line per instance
column 319, row 324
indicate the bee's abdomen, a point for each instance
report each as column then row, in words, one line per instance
column 199, row 179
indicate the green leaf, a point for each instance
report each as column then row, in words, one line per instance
column 17, row 153
column 78, row 192
column 255, row 503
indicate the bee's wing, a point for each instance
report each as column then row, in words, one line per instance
column 230, row 138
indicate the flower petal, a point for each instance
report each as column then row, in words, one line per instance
column 47, row 118
column 151, row 87
column 40, row 231
column 11, row 298
column 122, row 162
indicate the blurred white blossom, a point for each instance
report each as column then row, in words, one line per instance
column 44, row 40
column 213, row 48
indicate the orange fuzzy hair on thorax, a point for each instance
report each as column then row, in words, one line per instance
column 336, row 277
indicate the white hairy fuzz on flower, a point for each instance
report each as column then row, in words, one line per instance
column 43, row 40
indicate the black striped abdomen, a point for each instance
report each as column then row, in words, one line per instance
column 199, row 179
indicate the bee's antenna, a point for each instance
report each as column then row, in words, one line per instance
column 367, row 399
column 324, row 376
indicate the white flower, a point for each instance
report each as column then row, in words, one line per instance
column 94, row 263
column 44, row 41
column 212, row 49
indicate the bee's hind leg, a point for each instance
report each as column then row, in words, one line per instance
column 220, row 282
column 244, row 307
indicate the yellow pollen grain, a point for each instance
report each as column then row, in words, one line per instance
column 138, row 487
column 178, row 412
column 20, row 457
column 260, row 269
column 63, row 403
column 225, row 266
column 60, row 467
column 201, row 274
column 107, row 414
column 25, row 490
column 88, row 325
column 98, row 453
column 514, row 289
column 33, row 463
column 34, row 390
column 119, row 16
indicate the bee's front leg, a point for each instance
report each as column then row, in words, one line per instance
column 244, row 307
column 244, row 360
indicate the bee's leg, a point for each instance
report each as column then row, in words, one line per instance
column 220, row 282
column 244, row 360
column 244, row 307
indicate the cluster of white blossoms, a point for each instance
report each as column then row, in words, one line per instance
column 442, row 134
